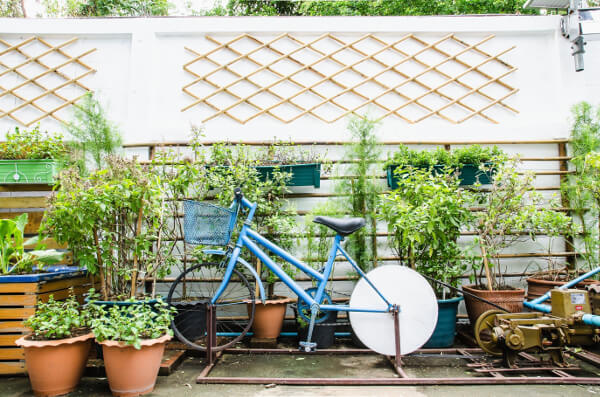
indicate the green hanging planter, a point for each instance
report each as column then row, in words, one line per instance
column 468, row 174
column 302, row 174
column 39, row 171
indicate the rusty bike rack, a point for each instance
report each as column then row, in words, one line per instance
column 489, row 371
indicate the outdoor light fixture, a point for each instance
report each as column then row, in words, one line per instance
column 582, row 23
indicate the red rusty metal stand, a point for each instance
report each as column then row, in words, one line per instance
column 492, row 375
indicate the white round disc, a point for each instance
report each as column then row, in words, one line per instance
column 404, row 287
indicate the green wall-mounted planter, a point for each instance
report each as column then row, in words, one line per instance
column 302, row 174
column 468, row 175
column 28, row 171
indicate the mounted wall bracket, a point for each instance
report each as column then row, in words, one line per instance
column 580, row 24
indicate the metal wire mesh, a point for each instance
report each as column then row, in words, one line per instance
column 207, row 224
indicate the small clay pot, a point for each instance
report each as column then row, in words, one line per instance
column 55, row 366
column 133, row 372
column 537, row 287
column 268, row 317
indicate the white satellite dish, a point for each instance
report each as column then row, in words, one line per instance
column 418, row 310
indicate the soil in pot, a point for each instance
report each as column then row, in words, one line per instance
column 133, row 372
column 56, row 366
column 268, row 317
column 445, row 329
column 510, row 299
column 323, row 333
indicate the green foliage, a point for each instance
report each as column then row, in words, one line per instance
column 95, row 137
column 473, row 155
column 111, row 219
column 579, row 188
column 104, row 8
column 512, row 208
column 11, row 9
column 13, row 257
column 59, row 320
column 377, row 7
column 33, row 144
column 318, row 237
column 425, row 215
column 132, row 323
column 362, row 191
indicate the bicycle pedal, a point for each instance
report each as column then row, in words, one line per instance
column 308, row 347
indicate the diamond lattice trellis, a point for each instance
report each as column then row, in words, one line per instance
column 267, row 69
column 41, row 92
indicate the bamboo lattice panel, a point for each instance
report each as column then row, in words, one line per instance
column 38, row 79
column 332, row 76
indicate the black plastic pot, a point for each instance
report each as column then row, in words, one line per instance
column 323, row 333
column 190, row 319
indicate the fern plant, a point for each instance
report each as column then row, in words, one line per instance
column 95, row 137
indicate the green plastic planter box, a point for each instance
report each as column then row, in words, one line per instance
column 302, row 174
column 468, row 175
column 28, row 171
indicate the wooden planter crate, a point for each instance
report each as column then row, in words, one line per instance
column 17, row 303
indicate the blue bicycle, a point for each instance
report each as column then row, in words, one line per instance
column 392, row 309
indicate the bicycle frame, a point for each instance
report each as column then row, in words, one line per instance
column 250, row 239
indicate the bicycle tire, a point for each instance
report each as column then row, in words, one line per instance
column 191, row 292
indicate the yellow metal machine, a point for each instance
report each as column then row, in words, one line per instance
column 570, row 322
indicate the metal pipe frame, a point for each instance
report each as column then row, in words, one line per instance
column 493, row 376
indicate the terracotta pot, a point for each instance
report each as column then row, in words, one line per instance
column 511, row 300
column 133, row 372
column 268, row 317
column 55, row 366
column 537, row 287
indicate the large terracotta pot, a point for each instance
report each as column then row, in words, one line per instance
column 537, row 287
column 268, row 317
column 511, row 300
column 55, row 366
column 133, row 372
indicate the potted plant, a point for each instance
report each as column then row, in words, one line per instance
column 57, row 348
column 511, row 212
column 31, row 157
column 113, row 220
column 133, row 339
column 424, row 216
column 474, row 164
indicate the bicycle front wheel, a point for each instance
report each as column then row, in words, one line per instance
column 191, row 293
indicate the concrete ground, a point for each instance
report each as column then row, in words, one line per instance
column 182, row 381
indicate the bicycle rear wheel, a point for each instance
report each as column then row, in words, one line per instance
column 191, row 293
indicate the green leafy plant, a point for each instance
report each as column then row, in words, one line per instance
column 469, row 155
column 112, row 220
column 512, row 210
column 32, row 144
column 59, row 319
column 94, row 136
column 14, row 259
column 578, row 188
column 132, row 323
column 425, row 215
column 104, row 8
column 477, row 155
column 360, row 192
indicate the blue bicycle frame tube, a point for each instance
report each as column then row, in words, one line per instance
column 245, row 240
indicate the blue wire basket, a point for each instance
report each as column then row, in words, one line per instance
column 207, row 224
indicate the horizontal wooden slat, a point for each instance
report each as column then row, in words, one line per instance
column 26, row 187
column 12, row 368
column 33, row 299
column 16, row 353
column 12, row 326
column 23, row 202
column 9, row 339
column 18, row 300
column 10, row 288
column 14, row 313
column 55, row 285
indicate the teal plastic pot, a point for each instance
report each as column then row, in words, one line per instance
column 443, row 335
column 470, row 174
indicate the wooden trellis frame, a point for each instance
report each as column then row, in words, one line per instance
column 302, row 88
column 34, row 80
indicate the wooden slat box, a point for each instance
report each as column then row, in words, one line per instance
column 17, row 302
